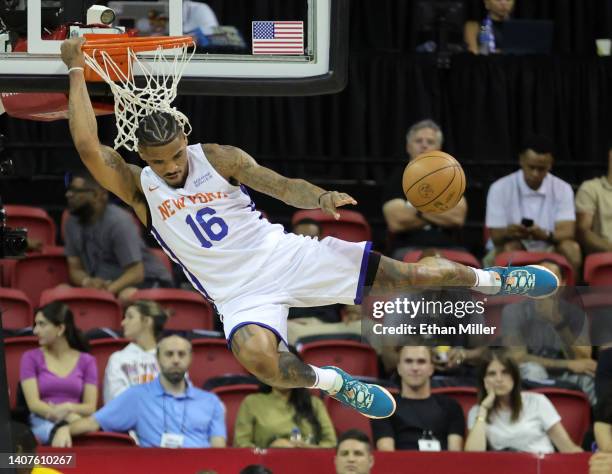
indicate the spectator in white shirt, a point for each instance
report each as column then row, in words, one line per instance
column 198, row 15
column 531, row 209
column 508, row 419
column 135, row 364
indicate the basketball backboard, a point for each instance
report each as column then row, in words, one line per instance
column 36, row 66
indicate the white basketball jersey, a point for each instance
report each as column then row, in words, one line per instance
column 209, row 227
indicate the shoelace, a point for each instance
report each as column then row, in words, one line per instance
column 357, row 393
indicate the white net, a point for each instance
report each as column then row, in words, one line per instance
column 160, row 74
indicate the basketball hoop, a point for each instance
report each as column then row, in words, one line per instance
column 114, row 60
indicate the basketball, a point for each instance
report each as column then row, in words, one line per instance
column 433, row 182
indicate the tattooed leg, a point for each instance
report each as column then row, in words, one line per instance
column 256, row 348
column 393, row 275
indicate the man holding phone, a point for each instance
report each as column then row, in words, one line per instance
column 531, row 209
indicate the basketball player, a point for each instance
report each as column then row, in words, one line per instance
column 193, row 200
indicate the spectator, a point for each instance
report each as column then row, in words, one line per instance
column 142, row 324
column 198, row 15
column 549, row 338
column 354, row 453
column 303, row 327
column 59, row 380
column 507, row 419
column 600, row 463
column 465, row 349
column 603, row 424
column 593, row 202
column 531, row 209
column 283, row 418
column 420, row 415
column 414, row 229
column 168, row 412
column 103, row 246
column 498, row 11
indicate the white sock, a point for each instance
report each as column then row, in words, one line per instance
column 487, row 282
column 327, row 379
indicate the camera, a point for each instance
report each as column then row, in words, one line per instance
column 13, row 242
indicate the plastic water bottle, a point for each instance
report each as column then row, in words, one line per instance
column 296, row 435
column 484, row 39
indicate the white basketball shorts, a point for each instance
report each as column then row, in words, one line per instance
column 303, row 272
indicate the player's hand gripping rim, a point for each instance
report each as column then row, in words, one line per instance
column 330, row 200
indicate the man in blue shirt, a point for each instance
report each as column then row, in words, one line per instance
column 167, row 412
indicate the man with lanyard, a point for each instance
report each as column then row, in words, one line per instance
column 167, row 412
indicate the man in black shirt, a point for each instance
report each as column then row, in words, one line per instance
column 422, row 421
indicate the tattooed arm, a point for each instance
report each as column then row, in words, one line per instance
column 232, row 162
column 104, row 163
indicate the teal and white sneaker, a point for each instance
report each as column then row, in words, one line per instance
column 531, row 280
column 368, row 399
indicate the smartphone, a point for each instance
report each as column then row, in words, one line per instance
column 527, row 222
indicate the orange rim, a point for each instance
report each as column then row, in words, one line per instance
column 118, row 45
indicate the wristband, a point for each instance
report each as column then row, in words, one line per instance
column 55, row 428
column 323, row 194
column 76, row 68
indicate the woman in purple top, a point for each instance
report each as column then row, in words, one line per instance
column 59, row 379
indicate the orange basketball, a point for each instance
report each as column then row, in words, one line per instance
column 433, row 182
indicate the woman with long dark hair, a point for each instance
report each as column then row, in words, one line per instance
column 507, row 418
column 59, row 379
column 283, row 418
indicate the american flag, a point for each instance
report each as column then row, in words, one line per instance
column 278, row 37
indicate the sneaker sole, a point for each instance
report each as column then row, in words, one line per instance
column 392, row 399
column 540, row 267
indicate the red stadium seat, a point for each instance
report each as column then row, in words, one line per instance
column 102, row 349
column 39, row 224
column 7, row 271
column 354, row 357
column 598, row 269
column 459, row 256
column 91, row 308
column 39, row 272
column 212, row 358
column 189, row 309
column 345, row 418
column 14, row 347
column 103, row 439
column 520, row 258
column 162, row 257
column 574, row 408
column 351, row 226
column 15, row 308
column 232, row 396
column 465, row 396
